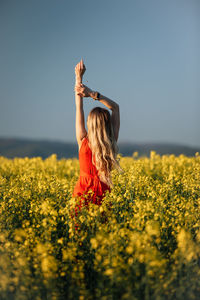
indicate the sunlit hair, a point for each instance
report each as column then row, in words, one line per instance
column 102, row 143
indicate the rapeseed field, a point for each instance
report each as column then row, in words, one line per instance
column 143, row 242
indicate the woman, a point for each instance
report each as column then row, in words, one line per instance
column 97, row 147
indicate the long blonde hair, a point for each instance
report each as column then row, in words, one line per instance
column 102, row 143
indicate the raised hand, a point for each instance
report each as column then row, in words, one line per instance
column 80, row 69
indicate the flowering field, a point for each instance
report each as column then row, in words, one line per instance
column 142, row 243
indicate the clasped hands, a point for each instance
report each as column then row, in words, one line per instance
column 81, row 89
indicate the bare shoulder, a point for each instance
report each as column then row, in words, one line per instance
column 81, row 141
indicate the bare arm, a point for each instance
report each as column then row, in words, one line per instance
column 115, row 116
column 106, row 101
column 80, row 119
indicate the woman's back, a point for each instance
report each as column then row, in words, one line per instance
column 85, row 159
column 89, row 179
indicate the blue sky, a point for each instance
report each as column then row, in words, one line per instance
column 142, row 54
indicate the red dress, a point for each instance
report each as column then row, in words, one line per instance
column 88, row 179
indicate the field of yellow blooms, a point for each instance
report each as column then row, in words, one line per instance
column 142, row 243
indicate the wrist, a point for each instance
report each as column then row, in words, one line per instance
column 92, row 93
column 95, row 95
column 78, row 79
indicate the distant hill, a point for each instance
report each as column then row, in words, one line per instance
column 17, row 147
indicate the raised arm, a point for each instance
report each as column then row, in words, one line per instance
column 80, row 119
column 85, row 91
column 115, row 116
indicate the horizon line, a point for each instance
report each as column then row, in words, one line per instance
column 46, row 139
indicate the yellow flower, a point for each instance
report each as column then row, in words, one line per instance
column 108, row 272
column 129, row 249
column 94, row 243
